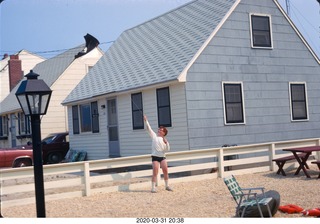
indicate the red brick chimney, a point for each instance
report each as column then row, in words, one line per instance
column 15, row 71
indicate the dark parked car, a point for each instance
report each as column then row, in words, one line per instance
column 54, row 149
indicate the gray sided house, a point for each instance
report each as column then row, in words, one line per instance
column 214, row 72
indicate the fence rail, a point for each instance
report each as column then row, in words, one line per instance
column 85, row 178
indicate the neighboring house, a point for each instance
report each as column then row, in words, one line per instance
column 214, row 72
column 61, row 73
column 13, row 68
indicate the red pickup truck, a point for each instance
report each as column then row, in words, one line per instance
column 15, row 157
column 54, row 148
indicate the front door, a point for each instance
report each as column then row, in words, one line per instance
column 114, row 148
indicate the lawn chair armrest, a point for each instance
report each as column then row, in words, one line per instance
column 253, row 188
column 246, row 196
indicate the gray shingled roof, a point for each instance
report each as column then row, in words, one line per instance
column 153, row 52
column 48, row 70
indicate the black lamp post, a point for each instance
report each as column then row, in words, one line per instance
column 34, row 96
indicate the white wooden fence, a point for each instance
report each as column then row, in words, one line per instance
column 129, row 173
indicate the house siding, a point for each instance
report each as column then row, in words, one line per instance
column 265, row 75
column 134, row 142
column 95, row 144
column 137, row 142
column 55, row 120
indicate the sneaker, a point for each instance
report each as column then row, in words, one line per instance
column 169, row 188
column 153, row 191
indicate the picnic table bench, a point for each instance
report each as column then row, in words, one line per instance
column 282, row 160
column 318, row 163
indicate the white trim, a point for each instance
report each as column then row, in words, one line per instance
column 297, row 31
column 306, row 95
column 223, row 101
column 251, row 34
column 183, row 76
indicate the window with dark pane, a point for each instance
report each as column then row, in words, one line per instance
column 137, row 111
column 85, row 118
column 95, row 117
column 261, row 31
column 75, row 120
column 163, row 105
column 4, row 126
column 23, row 124
column 298, row 102
column 233, row 103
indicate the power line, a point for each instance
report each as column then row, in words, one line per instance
column 47, row 52
column 316, row 47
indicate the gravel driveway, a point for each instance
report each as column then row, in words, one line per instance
column 196, row 199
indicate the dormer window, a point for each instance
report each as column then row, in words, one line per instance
column 261, row 35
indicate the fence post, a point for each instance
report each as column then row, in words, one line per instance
column 86, row 175
column 272, row 153
column 220, row 163
column 318, row 152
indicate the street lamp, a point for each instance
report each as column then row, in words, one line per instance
column 34, row 96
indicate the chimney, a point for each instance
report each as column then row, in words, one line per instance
column 15, row 71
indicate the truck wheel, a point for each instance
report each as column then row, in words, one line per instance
column 22, row 163
column 54, row 157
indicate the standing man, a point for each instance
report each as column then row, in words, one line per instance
column 160, row 145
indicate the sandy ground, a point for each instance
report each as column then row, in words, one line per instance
column 197, row 199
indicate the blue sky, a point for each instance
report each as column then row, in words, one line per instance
column 49, row 27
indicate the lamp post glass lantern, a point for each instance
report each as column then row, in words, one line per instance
column 33, row 96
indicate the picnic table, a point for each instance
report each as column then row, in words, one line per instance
column 302, row 160
column 282, row 160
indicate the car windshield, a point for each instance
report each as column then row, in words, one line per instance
column 49, row 139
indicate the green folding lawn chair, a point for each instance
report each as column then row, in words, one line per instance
column 247, row 197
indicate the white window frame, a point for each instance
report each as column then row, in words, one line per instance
column 251, row 33
column 307, row 105
column 224, row 103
